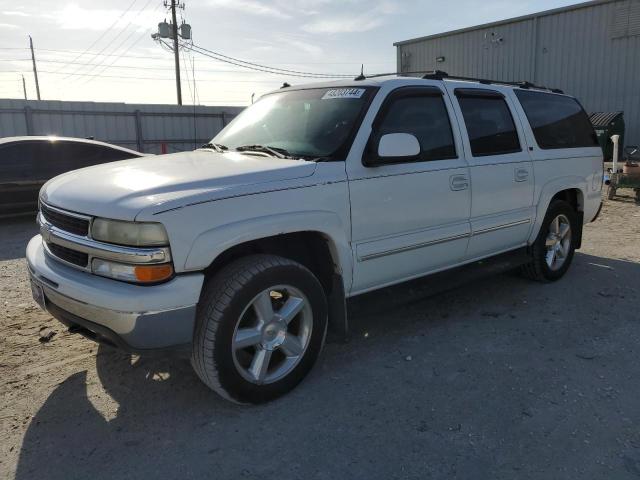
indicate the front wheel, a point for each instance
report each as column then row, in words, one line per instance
column 260, row 326
column 554, row 247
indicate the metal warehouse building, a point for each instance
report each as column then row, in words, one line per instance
column 590, row 50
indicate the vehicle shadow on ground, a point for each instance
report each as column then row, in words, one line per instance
column 422, row 414
column 15, row 234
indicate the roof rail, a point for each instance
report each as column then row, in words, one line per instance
column 440, row 75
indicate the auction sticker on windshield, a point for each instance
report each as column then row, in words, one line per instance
column 343, row 93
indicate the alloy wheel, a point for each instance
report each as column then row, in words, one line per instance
column 272, row 334
column 558, row 242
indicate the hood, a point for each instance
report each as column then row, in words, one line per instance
column 120, row 190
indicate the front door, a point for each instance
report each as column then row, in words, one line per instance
column 410, row 217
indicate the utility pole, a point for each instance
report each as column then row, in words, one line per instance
column 24, row 88
column 173, row 32
column 35, row 70
column 176, row 53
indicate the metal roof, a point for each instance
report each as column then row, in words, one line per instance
column 603, row 119
column 545, row 13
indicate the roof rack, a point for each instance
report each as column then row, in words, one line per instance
column 440, row 75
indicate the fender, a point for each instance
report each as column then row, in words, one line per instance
column 547, row 192
column 211, row 243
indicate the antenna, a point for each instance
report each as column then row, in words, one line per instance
column 361, row 77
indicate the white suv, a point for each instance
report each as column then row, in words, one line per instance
column 244, row 251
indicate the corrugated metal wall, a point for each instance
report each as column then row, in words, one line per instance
column 141, row 127
column 591, row 52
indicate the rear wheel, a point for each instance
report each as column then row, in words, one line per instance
column 261, row 323
column 554, row 247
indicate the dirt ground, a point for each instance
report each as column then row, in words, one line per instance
column 500, row 379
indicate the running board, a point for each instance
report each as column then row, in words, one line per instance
column 417, row 290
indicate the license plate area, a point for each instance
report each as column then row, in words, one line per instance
column 38, row 294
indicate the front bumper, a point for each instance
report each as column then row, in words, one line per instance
column 132, row 317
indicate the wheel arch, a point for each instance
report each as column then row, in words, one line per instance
column 570, row 189
column 316, row 240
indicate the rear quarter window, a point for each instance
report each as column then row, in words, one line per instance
column 557, row 121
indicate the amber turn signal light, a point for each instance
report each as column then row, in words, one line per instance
column 153, row 273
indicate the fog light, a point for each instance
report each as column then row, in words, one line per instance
column 132, row 273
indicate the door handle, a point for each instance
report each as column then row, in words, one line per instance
column 521, row 174
column 458, row 182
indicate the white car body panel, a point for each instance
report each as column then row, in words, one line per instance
column 121, row 190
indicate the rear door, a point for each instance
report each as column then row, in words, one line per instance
column 502, row 181
column 410, row 217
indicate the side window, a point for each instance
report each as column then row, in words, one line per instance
column 426, row 117
column 489, row 122
column 24, row 161
column 73, row 155
column 557, row 121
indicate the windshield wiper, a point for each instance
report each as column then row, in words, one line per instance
column 216, row 146
column 274, row 151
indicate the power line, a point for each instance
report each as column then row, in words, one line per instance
column 119, row 33
column 138, row 40
column 186, row 71
column 141, row 78
column 266, row 69
column 256, row 66
column 152, row 57
column 103, row 33
column 135, row 67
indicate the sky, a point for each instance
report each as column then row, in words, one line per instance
column 103, row 51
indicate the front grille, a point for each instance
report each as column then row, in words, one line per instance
column 77, row 258
column 68, row 223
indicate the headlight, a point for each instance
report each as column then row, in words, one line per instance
column 133, row 234
column 132, row 273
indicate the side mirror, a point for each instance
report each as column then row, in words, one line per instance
column 394, row 147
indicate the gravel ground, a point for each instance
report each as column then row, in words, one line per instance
column 500, row 379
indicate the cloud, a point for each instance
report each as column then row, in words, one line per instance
column 15, row 14
column 343, row 25
column 74, row 17
column 349, row 22
column 8, row 26
column 251, row 7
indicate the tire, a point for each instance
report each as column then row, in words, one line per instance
column 540, row 268
column 260, row 309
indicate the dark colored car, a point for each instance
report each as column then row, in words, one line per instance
column 26, row 163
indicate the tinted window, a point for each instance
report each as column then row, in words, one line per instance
column 489, row 124
column 425, row 117
column 22, row 161
column 42, row 160
column 557, row 121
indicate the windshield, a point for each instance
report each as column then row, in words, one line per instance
column 316, row 123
